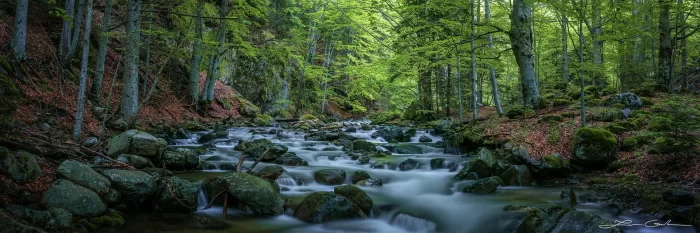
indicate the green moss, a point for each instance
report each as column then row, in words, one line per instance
column 592, row 145
column 637, row 141
column 595, row 102
column 646, row 102
column 666, row 144
column 308, row 117
column 560, row 102
column 621, row 126
column 591, row 91
column 225, row 103
column 609, row 90
column 660, row 124
column 515, row 113
column 551, row 118
column 113, row 220
column 263, row 120
column 555, row 161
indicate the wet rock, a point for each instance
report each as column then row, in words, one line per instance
column 90, row 142
column 330, row 176
column 256, row 195
column 678, row 197
column 351, row 130
column 518, row 175
column 157, row 172
column 74, row 198
column 138, row 143
column 291, row 159
column 555, row 218
column 391, row 133
column 21, row 166
column 366, row 127
column 139, row 162
column 360, row 175
column 215, row 158
column 425, row 139
column 356, row 195
column 83, row 175
column 364, row 160
column 370, row 182
column 112, row 197
column 206, row 138
column 134, row 186
column 437, row 163
column 271, row 173
column 404, row 148
column 10, row 224
column 548, row 166
column 228, row 167
column 593, row 148
column 362, row 145
column 180, row 159
column 408, row 165
column 177, row 195
column 321, row 207
column 206, row 166
column 262, row 147
column 54, row 219
column 482, row 186
column 471, row 176
column 569, row 195
column 482, row 164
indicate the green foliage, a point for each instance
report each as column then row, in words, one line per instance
column 263, row 120
column 308, row 117
column 383, row 117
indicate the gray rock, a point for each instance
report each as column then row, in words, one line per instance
column 131, row 184
column 262, row 147
column 112, row 197
column 364, row 160
column 483, row 186
column 9, row 224
column 83, row 175
column 90, row 142
column 139, row 162
column 678, row 197
column 271, row 173
column 74, row 198
column 370, row 182
column 425, row 139
column 437, row 163
column 404, row 149
column 558, row 219
column 482, row 164
column 330, row 176
column 177, row 195
column 408, row 165
column 321, row 207
column 547, row 166
column 628, row 99
column 257, row 195
column 21, row 166
column 358, row 176
column 392, row 133
column 518, row 175
column 138, row 143
column 356, row 195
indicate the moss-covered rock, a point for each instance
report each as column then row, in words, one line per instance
column 591, row 91
column 621, row 126
column 271, row 173
column 246, row 108
column 404, row 148
column 595, row 102
column 262, row 148
column 21, row 166
column 482, row 164
column 357, row 196
column 518, row 175
column 560, row 102
column 555, row 218
column 547, row 166
column 176, row 195
column 392, row 133
column 483, row 186
column 628, row 99
column 408, row 165
column 363, row 146
column 515, row 113
column 551, row 118
column 321, row 207
column 607, row 115
column 360, row 175
column 11, row 224
column 256, row 195
column 646, row 102
column 113, row 220
column 437, row 163
column 133, row 185
column 74, row 198
column 225, row 103
column 660, row 124
column 593, row 147
column 291, row 159
column 668, row 144
column 330, row 176
column 138, row 143
column 263, row 120
column 83, row 175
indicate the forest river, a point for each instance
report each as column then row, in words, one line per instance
column 416, row 201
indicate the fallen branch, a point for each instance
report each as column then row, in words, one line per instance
column 214, row 199
column 240, row 163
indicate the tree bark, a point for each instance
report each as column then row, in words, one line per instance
column 684, row 43
column 83, row 74
column 144, row 85
column 196, row 59
column 521, row 43
column 96, row 88
column 128, row 107
column 665, row 45
column 492, row 71
column 475, row 108
column 19, row 35
column 564, row 48
column 77, row 25
column 208, row 95
column 64, row 43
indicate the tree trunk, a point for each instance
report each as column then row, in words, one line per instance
column 77, row 22
column 564, row 48
column 684, row 45
column 475, row 109
column 492, row 71
column 96, row 88
column 196, row 59
column 580, row 47
column 144, row 85
column 665, row 45
column 208, row 95
column 596, row 33
column 64, row 44
column 426, row 94
column 448, row 93
column 83, row 74
column 19, row 35
column 521, row 43
column 128, row 107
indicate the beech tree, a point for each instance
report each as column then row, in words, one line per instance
column 83, row 73
column 521, row 42
column 19, row 34
column 128, row 106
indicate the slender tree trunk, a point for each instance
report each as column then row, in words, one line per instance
column 196, row 59
column 448, row 94
column 64, row 44
column 684, row 43
column 144, row 85
column 208, row 95
column 665, row 45
column 475, row 109
column 329, row 55
column 564, row 48
column 83, row 74
column 583, row 84
column 128, row 106
column 96, row 88
column 521, row 43
column 19, row 35
column 78, row 24
column 459, row 83
column 596, row 33
column 492, row 71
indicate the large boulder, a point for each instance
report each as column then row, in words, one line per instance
column 53, row 219
column 8, row 224
column 138, row 162
column 483, row 186
column 593, row 148
column 330, row 176
column 404, row 148
column 177, row 195
column 134, row 185
column 21, row 166
column 360, row 175
column 138, row 143
column 74, row 198
column 546, row 166
column 271, row 173
column 391, row 133
column 483, row 164
column 323, row 136
column 356, row 195
column 256, row 195
column 628, row 99
column 291, row 159
column 364, row 146
column 518, row 175
column 83, row 175
column 437, row 163
column 408, row 165
column 558, row 219
column 321, row 207
column 246, row 108
column 180, row 159
column 262, row 147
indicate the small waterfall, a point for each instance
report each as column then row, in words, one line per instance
column 286, row 181
column 413, row 224
column 202, row 200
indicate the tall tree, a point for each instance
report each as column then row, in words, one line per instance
column 475, row 108
column 196, row 59
column 564, row 48
column 19, row 34
column 521, row 42
column 128, row 106
column 580, row 47
column 96, row 88
column 664, row 72
column 75, row 38
column 215, row 60
column 492, row 71
column 83, row 73
column 64, row 44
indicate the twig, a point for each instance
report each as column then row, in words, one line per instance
column 214, row 199
column 240, row 163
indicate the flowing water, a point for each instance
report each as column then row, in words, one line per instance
column 416, row 201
